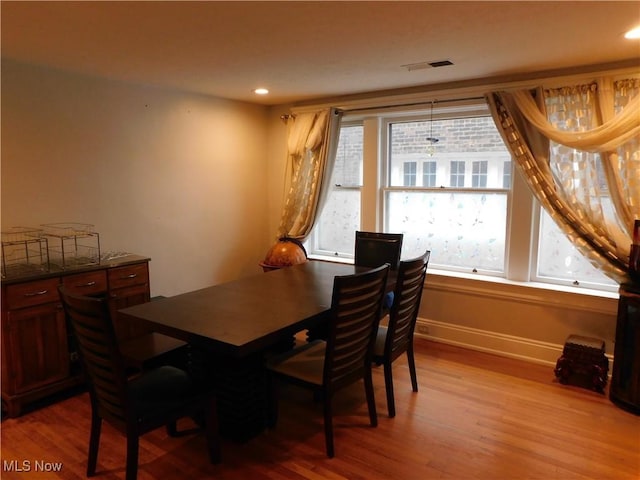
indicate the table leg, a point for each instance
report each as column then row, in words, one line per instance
column 240, row 387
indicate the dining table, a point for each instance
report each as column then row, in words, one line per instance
column 232, row 327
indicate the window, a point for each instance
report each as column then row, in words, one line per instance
column 458, row 212
column 452, row 197
column 429, row 174
column 409, row 174
column 479, row 174
column 560, row 262
column 556, row 259
column 457, row 174
column 340, row 217
column 506, row 174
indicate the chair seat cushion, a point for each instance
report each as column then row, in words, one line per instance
column 160, row 390
column 305, row 363
column 381, row 338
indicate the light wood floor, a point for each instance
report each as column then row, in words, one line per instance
column 477, row 416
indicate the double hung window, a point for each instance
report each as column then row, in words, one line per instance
column 459, row 210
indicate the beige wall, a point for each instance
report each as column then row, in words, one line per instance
column 512, row 319
column 177, row 177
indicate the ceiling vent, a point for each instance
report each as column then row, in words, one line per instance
column 441, row 63
column 424, row 65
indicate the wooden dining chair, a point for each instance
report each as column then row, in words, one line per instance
column 396, row 337
column 133, row 405
column 345, row 357
column 373, row 249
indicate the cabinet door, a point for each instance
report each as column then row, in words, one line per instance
column 36, row 343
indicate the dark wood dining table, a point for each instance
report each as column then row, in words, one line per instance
column 232, row 326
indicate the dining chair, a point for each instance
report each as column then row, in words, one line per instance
column 396, row 337
column 373, row 249
column 133, row 405
column 325, row 367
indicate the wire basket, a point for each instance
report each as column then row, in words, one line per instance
column 24, row 252
column 72, row 245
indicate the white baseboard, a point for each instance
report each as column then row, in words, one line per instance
column 491, row 342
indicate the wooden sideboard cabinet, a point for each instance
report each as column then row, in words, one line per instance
column 38, row 348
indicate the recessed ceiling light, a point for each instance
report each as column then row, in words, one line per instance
column 261, row 91
column 633, row 33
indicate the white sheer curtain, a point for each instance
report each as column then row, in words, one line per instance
column 312, row 144
column 578, row 148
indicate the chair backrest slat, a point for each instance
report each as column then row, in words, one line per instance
column 356, row 305
column 404, row 312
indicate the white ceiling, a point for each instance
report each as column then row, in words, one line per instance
column 308, row 50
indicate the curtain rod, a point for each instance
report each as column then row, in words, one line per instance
column 355, row 110
column 411, row 104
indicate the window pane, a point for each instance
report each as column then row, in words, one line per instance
column 457, row 174
column 348, row 166
column 582, row 175
column 479, row 174
column 559, row 261
column 429, row 174
column 338, row 222
column 506, row 174
column 340, row 217
column 461, row 143
column 409, row 174
column 463, row 230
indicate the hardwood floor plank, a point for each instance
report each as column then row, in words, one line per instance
column 476, row 416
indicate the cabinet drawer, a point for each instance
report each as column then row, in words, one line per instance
column 90, row 283
column 121, row 277
column 27, row 294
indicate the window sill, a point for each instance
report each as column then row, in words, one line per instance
column 539, row 293
column 509, row 290
column 330, row 258
column 536, row 285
